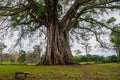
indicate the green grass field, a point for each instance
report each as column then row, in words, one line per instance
column 64, row 72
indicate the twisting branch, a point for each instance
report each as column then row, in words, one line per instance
column 74, row 22
column 68, row 19
column 72, row 11
column 96, row 37
column 105, row 5
column 98, row 22
column 10, row 11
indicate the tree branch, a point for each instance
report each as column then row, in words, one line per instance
column 72, row 12
column 74, row 22
column 100, row 23
column 97, row 5
column 10, row 11
column 109, row 7
column 105, row 4
column 95, row 33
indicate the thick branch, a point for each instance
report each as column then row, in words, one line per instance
column 72, row 12
column 98, row 5
column 74, row 22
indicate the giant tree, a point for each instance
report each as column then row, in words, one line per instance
column 60, row 17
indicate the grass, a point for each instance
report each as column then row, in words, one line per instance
column 65, row 72
column 87, row 62
column 15, row 63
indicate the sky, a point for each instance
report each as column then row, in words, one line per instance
column 76, row 46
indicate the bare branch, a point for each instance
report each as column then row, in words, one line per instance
column 3, row 21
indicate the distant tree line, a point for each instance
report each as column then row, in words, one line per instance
column 95, row 58
column 23, row 56
column 27, row 57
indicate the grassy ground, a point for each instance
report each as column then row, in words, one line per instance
column 65, row 72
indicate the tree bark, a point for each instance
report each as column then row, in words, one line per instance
column 0, row 54
column 58, row 49
column 118, row 54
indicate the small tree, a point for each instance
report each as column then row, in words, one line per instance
column 85, row 43
column 2, row 46
column 37, row 52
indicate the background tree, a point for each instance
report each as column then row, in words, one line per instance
column 85, row 44
column 2, row 46
column 37, row 52
column 59, row 17
column 6, row 57
column 115, row 39
column 77, row 52
column 80, row 58
column 30, row 57
column 22, row 58
column 97, row 58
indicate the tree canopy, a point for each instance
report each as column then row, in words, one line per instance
column 115, row 37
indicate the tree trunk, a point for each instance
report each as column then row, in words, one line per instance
column 58, row 49
column 118, row 57
column 1, row 54
column 118, row 54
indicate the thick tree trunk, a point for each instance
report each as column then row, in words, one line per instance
column 58, row 49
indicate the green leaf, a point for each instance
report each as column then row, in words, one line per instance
column 111, row 20
column 115, row 37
